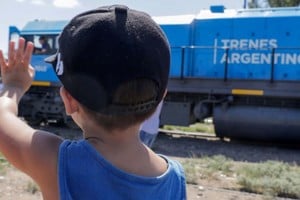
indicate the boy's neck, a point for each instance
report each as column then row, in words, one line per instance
column 116, row 142
column 106, row 137
column 125, row 150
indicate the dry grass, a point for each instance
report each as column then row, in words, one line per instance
column 203, row 127
column 270, row 178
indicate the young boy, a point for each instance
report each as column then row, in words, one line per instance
column 113, row 63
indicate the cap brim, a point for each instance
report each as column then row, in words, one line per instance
column 51, row 59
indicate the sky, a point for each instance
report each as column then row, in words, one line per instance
column 19, row 12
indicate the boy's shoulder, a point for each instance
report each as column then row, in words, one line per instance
column 96, row 167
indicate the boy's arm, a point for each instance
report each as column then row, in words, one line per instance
column 32, row 151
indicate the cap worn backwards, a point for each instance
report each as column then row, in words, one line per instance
column 101, row 49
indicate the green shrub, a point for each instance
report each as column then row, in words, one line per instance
column 206, row 168
column 271, row 178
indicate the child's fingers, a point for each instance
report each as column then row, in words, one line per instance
column 11, row 53
column 2, row 60
column 20, row 51
column 28, row 53
column 18, row 56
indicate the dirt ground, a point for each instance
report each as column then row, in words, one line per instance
column 224, row 188
column 15, row 185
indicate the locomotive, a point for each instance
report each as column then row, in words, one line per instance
column 240, row 67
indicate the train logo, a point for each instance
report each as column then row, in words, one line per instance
column 263, row 54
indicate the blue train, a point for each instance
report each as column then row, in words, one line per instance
column 240, row 67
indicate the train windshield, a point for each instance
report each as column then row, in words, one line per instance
column 43, row 44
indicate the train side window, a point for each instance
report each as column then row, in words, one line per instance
column 38, row 41
column 42, row 45
column 14, row 37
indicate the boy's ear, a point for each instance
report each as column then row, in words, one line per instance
column 71, row 105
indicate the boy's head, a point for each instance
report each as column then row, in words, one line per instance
column 104, row 49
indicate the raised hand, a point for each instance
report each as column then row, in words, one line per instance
column 17, row 72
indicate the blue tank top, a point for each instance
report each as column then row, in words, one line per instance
column 85, row 175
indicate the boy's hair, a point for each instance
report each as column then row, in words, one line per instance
column 132, row 92
column 103, row 50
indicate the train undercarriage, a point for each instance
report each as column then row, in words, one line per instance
column 252, row 117
column 266, row 116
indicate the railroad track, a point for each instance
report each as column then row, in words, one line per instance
column 210, row 136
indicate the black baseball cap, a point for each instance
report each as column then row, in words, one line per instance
column 101, row 49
